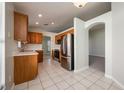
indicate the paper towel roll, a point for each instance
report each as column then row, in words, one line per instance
column 19, row 44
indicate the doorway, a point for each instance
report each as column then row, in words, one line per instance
column 97, row 47
column 46, row 46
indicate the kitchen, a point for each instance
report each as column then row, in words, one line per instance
column 30, row 51
column 32, row 70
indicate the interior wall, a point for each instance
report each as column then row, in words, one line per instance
column 9, row 44
column 2, row 42
column 80, row 44
column 97, row 42
column 118, row 42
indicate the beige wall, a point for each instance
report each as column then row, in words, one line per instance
column 9, row 44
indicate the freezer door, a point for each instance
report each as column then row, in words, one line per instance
column 64, row 46
column 69, row 45
column 66, row 62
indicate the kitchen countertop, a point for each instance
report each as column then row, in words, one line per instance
column 25, row 53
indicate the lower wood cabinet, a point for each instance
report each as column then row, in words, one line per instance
column 25, row 68
column 40, row 55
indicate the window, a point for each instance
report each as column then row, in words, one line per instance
column 49, row 45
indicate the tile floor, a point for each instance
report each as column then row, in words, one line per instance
column 51, row 76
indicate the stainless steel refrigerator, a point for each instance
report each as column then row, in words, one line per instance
column 67, row 52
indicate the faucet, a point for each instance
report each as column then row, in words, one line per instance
column 22, row 46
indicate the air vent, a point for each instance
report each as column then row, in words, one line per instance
column 46, row 24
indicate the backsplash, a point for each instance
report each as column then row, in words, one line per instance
column 33, row 47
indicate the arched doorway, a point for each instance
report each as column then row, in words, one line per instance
column 96, row 34
column 82, row 45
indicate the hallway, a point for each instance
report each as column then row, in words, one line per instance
column 97, row 63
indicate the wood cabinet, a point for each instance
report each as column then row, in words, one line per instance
column 40, row 55
column 20, row 27
column 25, row 68
column 35, row 38
column 59, row 37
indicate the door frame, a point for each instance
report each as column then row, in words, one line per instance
column 88, row 29
column 107, row 20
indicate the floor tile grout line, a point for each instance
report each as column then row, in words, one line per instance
column 51, row 66
column 72, row 84
column 110, row 85
column 52, row 80
column 41, row 83
column 93, row 83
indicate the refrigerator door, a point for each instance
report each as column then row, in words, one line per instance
column 64, row 46
column 68, row 45
column 66, row 57
column 66, row 62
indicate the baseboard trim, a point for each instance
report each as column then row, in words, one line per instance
column 108, row 76
column 116, row 81
column 13, row 85
column 81, row 69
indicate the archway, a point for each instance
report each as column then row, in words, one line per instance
column 103, row 19
column 96, row 41
column 81, row 42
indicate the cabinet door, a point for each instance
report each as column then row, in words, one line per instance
column 40, row 55
column 39, row 38
column 58, row 39
column 29, row 37
column 31, row 67
column 35, row 38
column 20, row 26
column 19, row 70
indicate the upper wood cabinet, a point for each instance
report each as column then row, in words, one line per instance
column 59, row 37
column 35, row 38
column 20, row 27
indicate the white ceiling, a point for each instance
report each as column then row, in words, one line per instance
column 61, row 13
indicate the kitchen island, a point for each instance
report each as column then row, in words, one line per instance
column 25, row 66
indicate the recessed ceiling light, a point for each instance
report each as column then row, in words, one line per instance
column 40, row 15
column 52, row 23
column 37, row 23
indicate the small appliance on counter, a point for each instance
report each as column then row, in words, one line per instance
column 67, row 52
